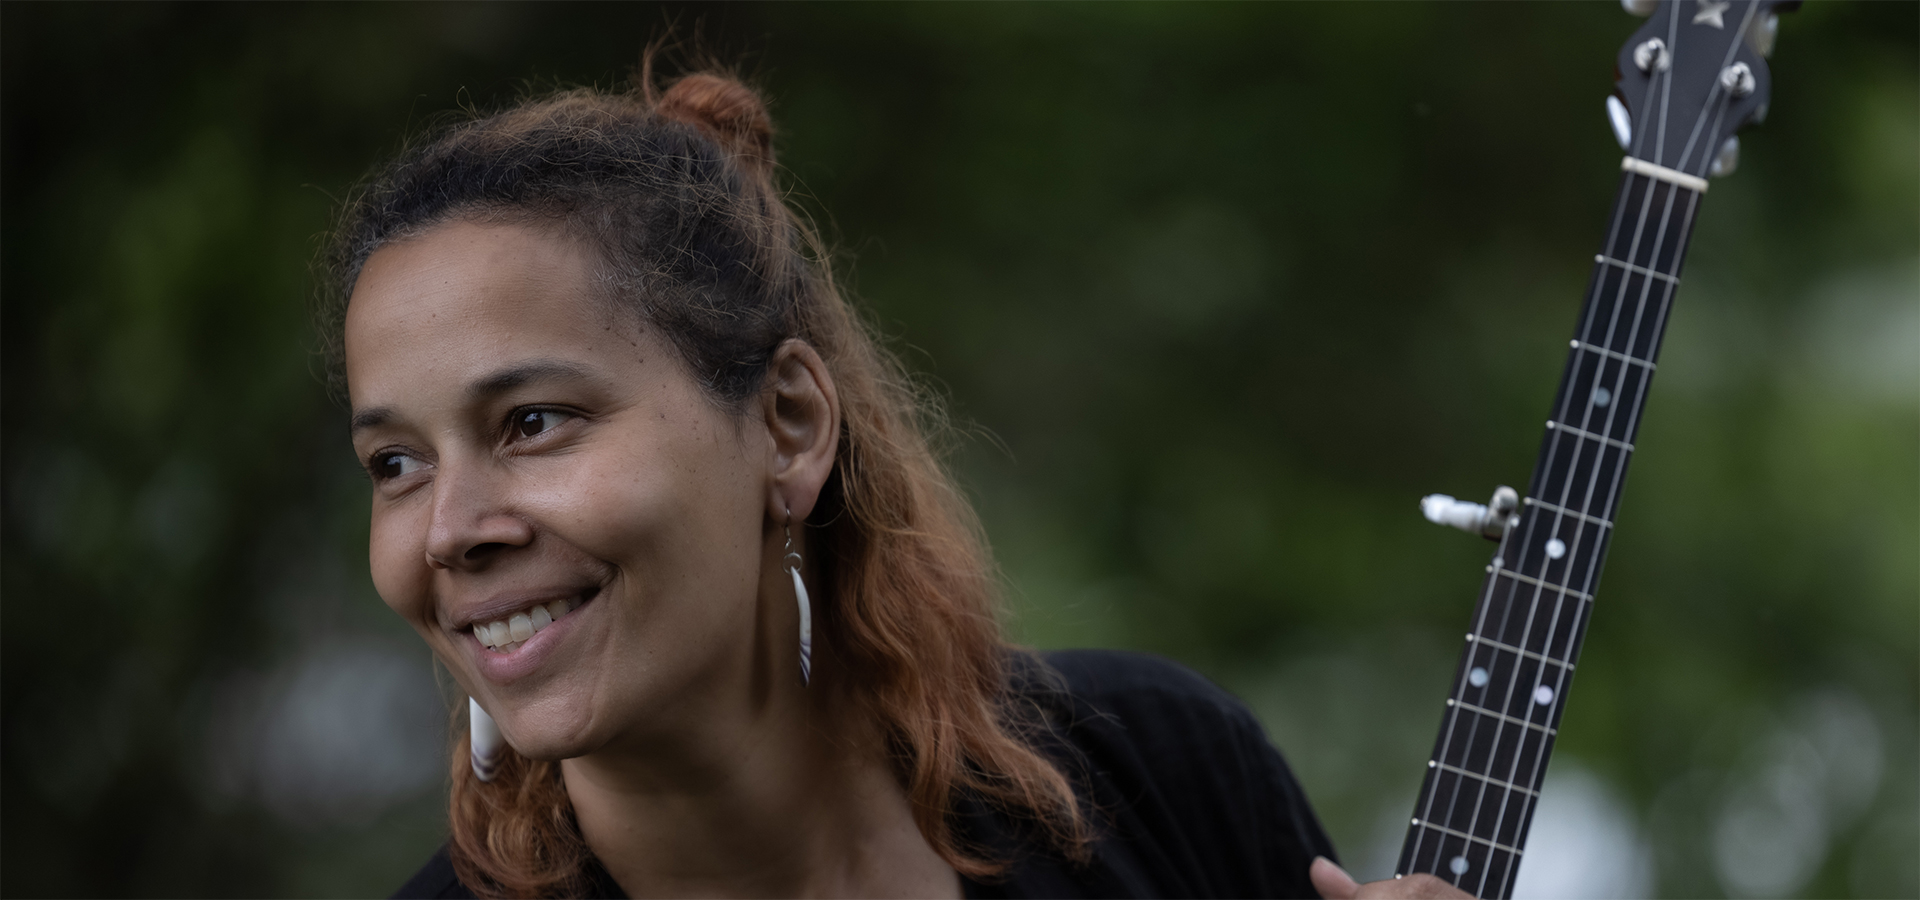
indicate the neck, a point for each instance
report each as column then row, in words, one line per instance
column 1473, row 812
column 792, row 797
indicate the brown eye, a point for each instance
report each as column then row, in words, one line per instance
column 529, row 423
column 394, row 465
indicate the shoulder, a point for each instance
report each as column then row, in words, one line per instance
column 434, row 881
column 1193, row 798
column 1121, row 678
column 1144, row 705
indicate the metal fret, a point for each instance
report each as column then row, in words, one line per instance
column 1471, row 837
column 1561, row 510
column 1462, row 704
column 1560, row 426
column 1596, row 348
column 1643, row 270
column 1436, row 764
column 1479, row 639
column 1501, row 570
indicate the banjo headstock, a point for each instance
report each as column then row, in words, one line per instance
column 1691, row 78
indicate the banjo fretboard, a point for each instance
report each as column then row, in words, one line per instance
column 1483, row 778
column 1688, row 80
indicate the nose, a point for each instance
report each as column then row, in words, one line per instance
column 473, row 520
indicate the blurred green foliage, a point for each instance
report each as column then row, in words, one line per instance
column 1216, row 291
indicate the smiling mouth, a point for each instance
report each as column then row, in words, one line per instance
column 506, row 635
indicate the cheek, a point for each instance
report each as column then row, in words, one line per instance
column 396, row 556
column 677, row 512
column 618, row 507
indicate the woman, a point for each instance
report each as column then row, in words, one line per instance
column 669, row 515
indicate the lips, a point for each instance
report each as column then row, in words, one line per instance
column 511, row 657
column 507, row 633
column 502, row 624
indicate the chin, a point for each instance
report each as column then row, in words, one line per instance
column 552, row 728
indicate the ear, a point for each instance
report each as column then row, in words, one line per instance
column 802, row 413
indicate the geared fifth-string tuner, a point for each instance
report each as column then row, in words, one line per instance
column 1490, row 520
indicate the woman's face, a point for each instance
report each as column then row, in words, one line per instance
column 531, row 447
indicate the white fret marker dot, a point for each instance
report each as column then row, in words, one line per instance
column 1459, row 865
column 1543, row 695
column 1477, row 677
column 1602, row 396
column 1556, row 548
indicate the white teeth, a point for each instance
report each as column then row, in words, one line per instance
column 507, row 634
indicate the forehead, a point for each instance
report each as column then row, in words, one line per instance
column 465, row 298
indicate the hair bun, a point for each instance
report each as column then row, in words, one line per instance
column 728, row 111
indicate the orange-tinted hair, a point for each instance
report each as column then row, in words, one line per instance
column 677, row 190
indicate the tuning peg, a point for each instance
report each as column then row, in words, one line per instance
column 1761, row 36
column 1738, row 80
column 1727, row 159
column 1641, row 8
column 1621, row 122
column 1652, row 56
column 1491, row 520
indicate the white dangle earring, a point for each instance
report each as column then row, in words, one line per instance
column 485, row 742
column 792, row 562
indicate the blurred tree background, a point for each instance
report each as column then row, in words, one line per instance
column 1217, row 292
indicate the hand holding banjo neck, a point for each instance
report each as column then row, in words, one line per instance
column 1689, row 80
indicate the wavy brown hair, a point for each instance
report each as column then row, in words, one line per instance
column 677, row 190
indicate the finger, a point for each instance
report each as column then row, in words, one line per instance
column 1331, row 881
column 1423, row 887
column 1429, row 886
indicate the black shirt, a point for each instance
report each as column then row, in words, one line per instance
column 1187, row 796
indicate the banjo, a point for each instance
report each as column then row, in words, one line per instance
column 1689, row 79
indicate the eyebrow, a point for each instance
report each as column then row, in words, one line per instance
column 525, row 373
column 492, row 385
column 369, row 418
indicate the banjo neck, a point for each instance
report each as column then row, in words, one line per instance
column 1691, row 76
column 1523, row 642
